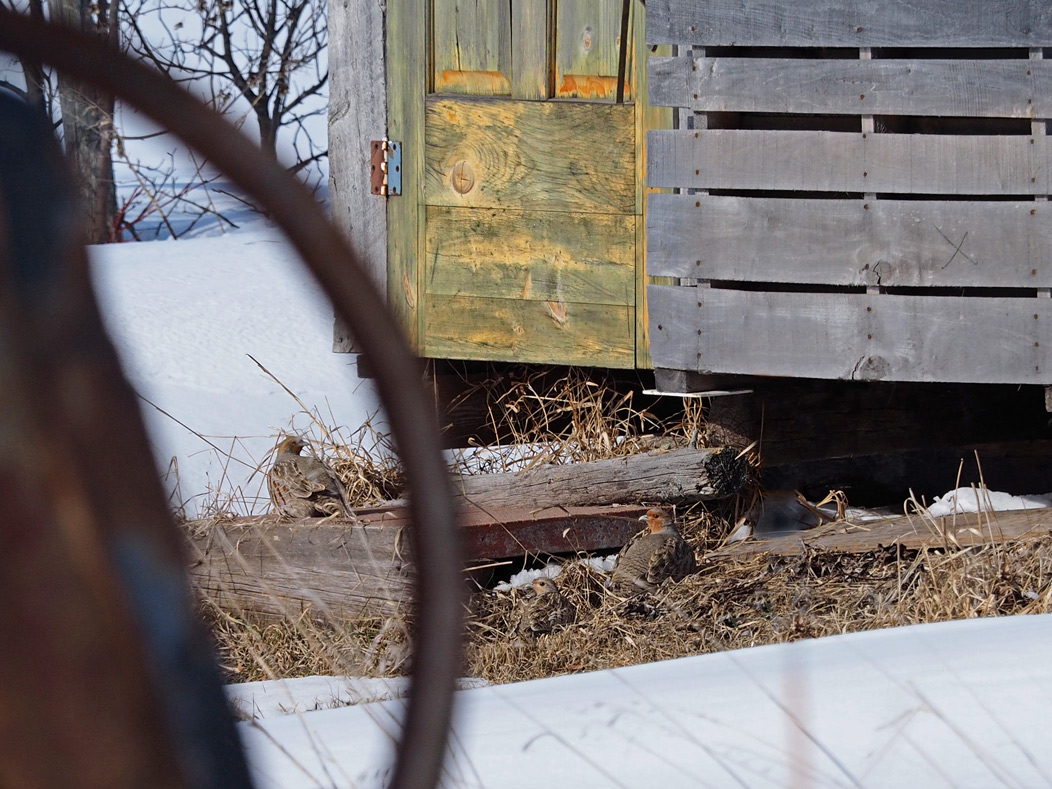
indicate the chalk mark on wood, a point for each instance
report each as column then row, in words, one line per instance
column 957, row 248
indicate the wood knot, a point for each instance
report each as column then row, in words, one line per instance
column 462, row 178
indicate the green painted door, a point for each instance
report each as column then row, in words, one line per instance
column 519, row 233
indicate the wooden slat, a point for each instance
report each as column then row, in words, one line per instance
column 555, row 156
column 535, row 255
column 586, row 49
column 852, row 336
column 530, row 55
column 406, row 81
column 357, row 115
column 913, row 532
column 462, row 327
column 851, row 242
column 858, row 23
column 848, row 162
column 965, row 88
column 472, row 47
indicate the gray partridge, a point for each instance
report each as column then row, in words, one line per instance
column 653, row 555
column 548, row 610
column 301, row 486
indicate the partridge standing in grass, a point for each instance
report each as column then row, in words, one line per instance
column 653, row 555
column 301, row 486
column 548, row 610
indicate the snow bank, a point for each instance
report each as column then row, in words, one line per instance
column 958, row 704
column 186, row 316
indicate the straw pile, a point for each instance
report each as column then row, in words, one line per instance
column 729, row 604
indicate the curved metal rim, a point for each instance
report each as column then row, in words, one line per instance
column 438, row 588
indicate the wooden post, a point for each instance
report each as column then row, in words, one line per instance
column 357, row 115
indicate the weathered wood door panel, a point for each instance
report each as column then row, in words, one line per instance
column 551, row 156
column 587, row 49
column 472, row 47
column 561, row 257
column 526, row 207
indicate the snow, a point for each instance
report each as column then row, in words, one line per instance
column 963, row 500
column 958, row 704
column 273, row 697
column 186, row 317
column 602, row 564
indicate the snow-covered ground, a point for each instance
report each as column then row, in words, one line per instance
column 957, row 704
column 189, row 317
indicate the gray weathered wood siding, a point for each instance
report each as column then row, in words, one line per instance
column 357, row 115
column 856, row 190
column 850, row 23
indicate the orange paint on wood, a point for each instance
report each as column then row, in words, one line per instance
column 482, row 83
column 589, row 86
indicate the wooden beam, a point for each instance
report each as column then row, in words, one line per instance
column 677, row 475
column 327, row 569
column 913, row 532
column 336, row 569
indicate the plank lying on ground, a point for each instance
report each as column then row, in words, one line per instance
column 950, row 531
column 673, row 475
column 333, row 569
column 341, row 570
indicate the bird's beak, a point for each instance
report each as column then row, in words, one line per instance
column 642, row 517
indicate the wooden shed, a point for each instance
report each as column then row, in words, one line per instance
column 834, row 191
column 517, row 231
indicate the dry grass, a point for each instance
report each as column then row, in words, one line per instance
column 760, row 599
column 577, row 416
column 731, row 603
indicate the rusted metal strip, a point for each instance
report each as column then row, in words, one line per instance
column 506, row 532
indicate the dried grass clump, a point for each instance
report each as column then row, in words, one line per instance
column 759, row 599
column 365, row 462
column 251, row 649
column 578, row 416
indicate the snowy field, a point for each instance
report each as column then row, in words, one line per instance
column 960, row 704
column 189, row 317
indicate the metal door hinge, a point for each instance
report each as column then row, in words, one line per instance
column 385, row 171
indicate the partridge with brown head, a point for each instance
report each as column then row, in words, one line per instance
column 653, row 555
column 302, row 486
